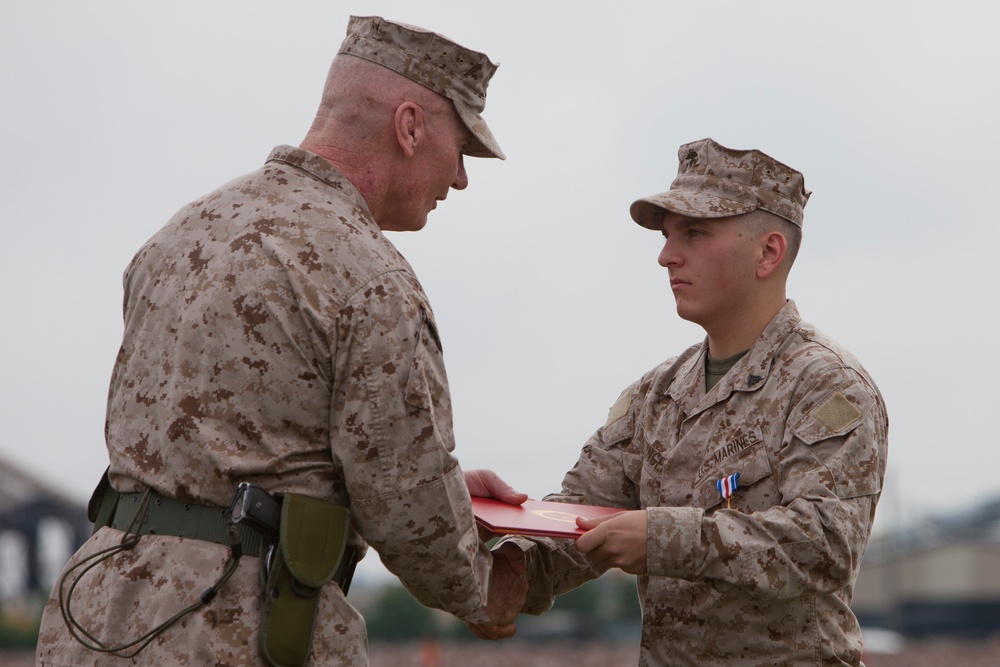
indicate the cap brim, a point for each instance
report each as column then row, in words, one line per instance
column 486, row 145
column 649, row 211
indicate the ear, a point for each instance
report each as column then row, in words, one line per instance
column 408, row 122
column 773, row 248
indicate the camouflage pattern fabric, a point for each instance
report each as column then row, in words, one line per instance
column 768, row 582
column 715, row 182
column 435, row 62
column 274, row 335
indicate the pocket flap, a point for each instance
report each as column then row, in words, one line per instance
column 313, row 537
column 836, row 415
column 620, row 425
column 752, row 465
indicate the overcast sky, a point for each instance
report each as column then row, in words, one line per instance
column 549, row 298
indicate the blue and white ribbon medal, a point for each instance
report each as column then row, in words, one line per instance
column 727, row 486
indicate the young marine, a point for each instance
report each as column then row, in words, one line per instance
column 748, row 467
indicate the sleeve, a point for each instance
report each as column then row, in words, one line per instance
column 829, row 473
column 391, row 425
column 605, row 474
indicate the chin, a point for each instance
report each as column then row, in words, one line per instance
column 687, row 314
column 413, row 225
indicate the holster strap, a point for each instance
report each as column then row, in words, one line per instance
column 167, row 516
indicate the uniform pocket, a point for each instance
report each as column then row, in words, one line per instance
column 618, row 431
column 836, row 415
column 755, row 488
column 841, row 431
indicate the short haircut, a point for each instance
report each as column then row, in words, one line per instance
column 760, row 222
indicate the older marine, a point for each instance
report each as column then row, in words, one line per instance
column 280, row 401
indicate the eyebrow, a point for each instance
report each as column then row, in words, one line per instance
column 683, row 223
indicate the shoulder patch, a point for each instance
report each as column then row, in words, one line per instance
column 836, row 412
column 619, row 409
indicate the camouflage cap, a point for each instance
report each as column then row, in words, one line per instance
column 434, row 62
column 714, row 182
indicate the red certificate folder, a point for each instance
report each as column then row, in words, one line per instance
column 535, row 517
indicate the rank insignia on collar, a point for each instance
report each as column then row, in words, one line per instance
column 727, row 486
column 753, row 379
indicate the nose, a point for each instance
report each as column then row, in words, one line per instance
column 461, row 178
column 668, row 256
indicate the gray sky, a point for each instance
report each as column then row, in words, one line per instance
column 549, row 298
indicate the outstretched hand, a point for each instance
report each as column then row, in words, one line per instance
column 617, row 540
column 487, row 484
column 508, row 591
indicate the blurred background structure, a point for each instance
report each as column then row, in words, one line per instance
column 40, row 528
column 939, row 578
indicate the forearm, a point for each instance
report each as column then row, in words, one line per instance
column 426, row 537
column 806, row 548
column 554, row 567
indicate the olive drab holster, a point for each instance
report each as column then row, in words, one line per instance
column 311, row 551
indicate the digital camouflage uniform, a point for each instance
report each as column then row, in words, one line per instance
column 769, row 581
column 274, row 335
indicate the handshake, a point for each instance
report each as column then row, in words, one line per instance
column 508, row 581
column 616, row 539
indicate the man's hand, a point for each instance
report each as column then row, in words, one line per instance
column 487, row 484
column 618, row 540
column 508, row 591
